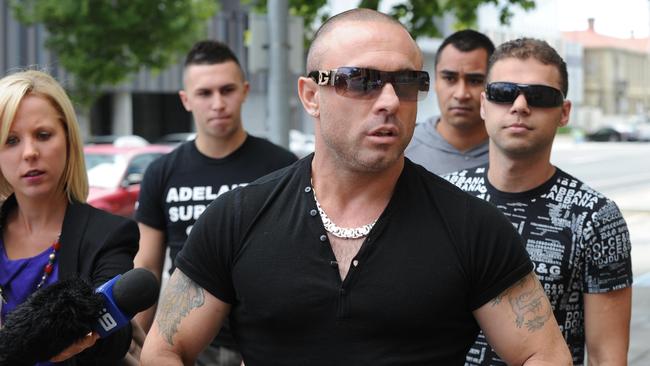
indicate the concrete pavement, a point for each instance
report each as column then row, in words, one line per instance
column 638, row 224
column 639, row 353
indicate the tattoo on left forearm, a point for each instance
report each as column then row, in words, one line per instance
column 181, row 295
column 530, row 305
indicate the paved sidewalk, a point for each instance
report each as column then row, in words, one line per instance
column 639, row 226
column 639, row 354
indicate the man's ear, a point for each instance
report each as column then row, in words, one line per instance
column 184, row 100
column 247, row 89
column 308, row 92
column 566, row 113
column 482, row 109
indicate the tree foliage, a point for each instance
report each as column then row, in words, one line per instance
column 102, row 42
column 419, row 16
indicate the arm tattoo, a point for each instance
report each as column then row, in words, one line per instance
column 497, row 300
column 181, row 295
column 528, row 301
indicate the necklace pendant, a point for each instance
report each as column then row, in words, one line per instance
column 342, row 232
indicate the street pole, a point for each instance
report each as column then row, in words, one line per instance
column 278, row 97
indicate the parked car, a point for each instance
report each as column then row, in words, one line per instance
column 614, row 132
column 118, row 140
column 115, row 173
column 176, row 138
column 643, row 131
column 606, row 134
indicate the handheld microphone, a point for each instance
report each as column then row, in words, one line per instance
column 124, row 296
column 56, row 316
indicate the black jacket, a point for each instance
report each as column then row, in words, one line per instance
column 96, row 246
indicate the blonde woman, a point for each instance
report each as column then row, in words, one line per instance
column 48, row 231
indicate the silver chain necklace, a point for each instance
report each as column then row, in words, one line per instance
column 342, row 232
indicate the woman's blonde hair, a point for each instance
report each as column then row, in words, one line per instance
column 15, row 87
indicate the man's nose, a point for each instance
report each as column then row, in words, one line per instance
column 388, row 100
column 217, row 101
column 462, row 90
column 520, row 104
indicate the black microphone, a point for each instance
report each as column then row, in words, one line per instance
column 54, row 317
column 124, row 296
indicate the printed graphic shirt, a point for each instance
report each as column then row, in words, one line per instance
column 576, row 238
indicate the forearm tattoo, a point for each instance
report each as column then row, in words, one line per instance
column 180, row 296
column 528, row 302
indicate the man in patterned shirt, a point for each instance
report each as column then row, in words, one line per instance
column 576, row 237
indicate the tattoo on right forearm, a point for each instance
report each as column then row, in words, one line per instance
column 180, row 296
column 529, row 303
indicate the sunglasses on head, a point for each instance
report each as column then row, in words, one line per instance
column 362, row 83
column 542, row 96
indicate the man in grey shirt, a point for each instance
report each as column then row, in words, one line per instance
column 457, row 138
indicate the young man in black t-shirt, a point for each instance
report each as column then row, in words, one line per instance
column 576, row 237
column 178, row 187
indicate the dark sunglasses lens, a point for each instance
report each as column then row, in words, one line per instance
column 357, row 83
column 543, row 96
column 536, row 95
column 410, row 86
column 504, row 93
column 363, row 83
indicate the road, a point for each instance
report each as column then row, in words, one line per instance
column 622, row 172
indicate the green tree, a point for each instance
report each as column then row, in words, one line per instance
column 418, row 15
column 103, row 42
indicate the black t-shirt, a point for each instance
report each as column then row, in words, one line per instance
column 577, row 239
column 177, row 187
column 434, row 255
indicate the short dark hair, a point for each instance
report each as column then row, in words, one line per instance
column 466, row 40
column 525, row 48
column 209, row 52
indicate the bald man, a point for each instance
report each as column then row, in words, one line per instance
column 354, row 255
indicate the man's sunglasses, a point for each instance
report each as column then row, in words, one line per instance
column 362, row 83
column 536, row 95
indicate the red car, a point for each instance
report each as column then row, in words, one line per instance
column 115, row 173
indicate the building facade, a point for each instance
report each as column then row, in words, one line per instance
column 616, row 72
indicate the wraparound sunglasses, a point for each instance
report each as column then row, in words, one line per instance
column 363, row 83
column 542, row 96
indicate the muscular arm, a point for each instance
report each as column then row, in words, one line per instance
column 607, row 326
column 151, row 256
column 188, row 318
column 520, row 326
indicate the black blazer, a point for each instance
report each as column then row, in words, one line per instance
column 96, row 246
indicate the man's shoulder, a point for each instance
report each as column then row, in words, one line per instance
column 569, row 190
column 268, row 188
column 171, row 157
column 262, row 144
column 457, row 205
column 443, row 186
